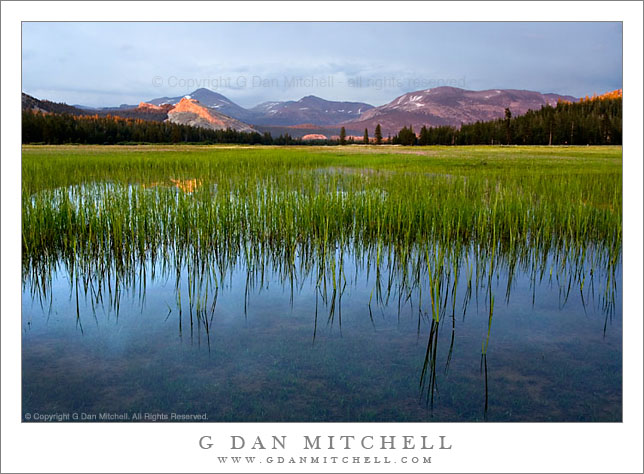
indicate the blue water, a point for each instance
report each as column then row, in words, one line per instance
column 268, row 355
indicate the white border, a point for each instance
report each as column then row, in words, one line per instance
column 173, row 448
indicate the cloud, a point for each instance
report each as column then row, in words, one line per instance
column 111, row 63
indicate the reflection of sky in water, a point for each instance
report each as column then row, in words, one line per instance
column 545, row 362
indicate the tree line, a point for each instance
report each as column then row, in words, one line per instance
column 588, row 122
column 93, row 129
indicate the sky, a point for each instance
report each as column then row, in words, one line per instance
column 108, row 64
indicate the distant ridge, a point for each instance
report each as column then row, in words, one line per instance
column 46, row 106
column 313, row 115
column 185, row 112
column 308, row 110
column 616, row 94
column 452, row 106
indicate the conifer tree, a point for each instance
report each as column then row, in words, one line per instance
column 378, row 134
column 508, row 117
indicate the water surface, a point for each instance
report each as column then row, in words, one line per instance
column 284, row 349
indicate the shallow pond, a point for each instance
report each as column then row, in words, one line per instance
column 279, row 346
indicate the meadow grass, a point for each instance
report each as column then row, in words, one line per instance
column 466, row 194
column 122, row 205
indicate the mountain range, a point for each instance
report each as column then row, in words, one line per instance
column 310, row 109
column 453, row 106
column 314, row 115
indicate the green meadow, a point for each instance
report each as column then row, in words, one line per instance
column 79, row 196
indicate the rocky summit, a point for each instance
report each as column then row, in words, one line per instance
column 190, row 112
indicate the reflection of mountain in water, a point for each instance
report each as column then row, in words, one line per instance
column 185, row 185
